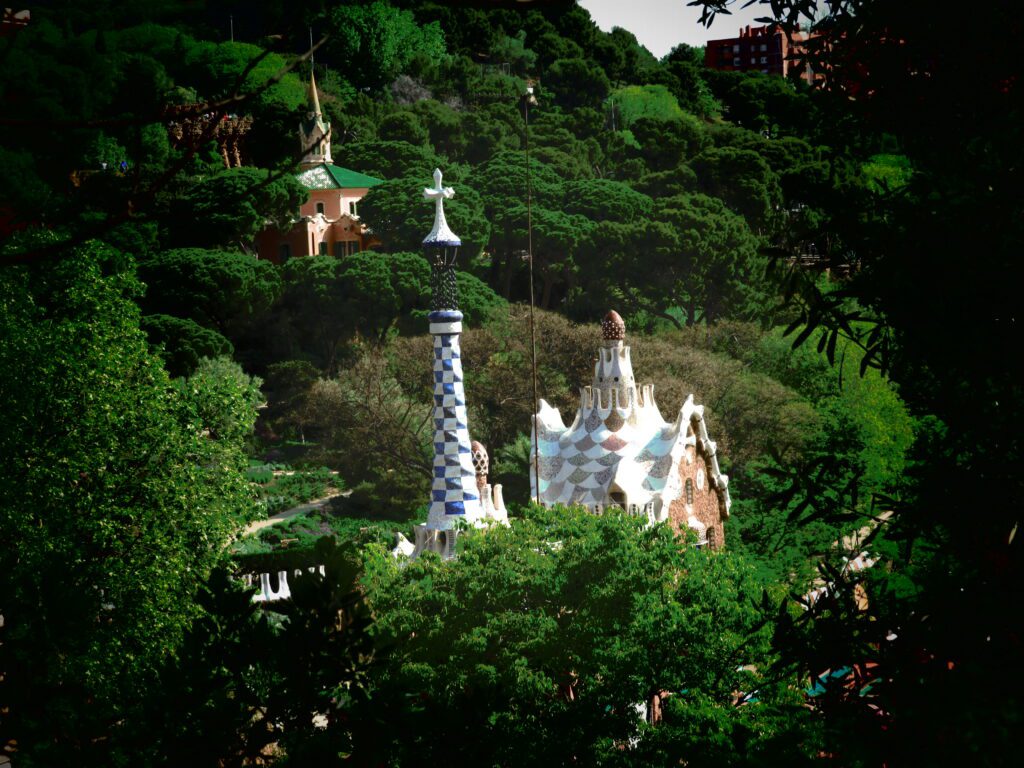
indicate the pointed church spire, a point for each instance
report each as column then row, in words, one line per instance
column 315, row 132
column 314, row 98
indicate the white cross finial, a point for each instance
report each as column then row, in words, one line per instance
column 440, row 233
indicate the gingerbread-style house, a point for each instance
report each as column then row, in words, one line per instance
column 328, row 223
column 619, row 451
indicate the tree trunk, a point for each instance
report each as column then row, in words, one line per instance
column 546, row 294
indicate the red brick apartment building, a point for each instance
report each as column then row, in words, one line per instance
column 761, row 49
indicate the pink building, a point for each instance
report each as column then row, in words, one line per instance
column 328, row 222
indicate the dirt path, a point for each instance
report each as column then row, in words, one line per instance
column 309, row 506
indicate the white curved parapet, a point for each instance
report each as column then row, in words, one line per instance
column 274, row 586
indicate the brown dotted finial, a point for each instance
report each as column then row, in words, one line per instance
column 481, row 462
column 612, row 327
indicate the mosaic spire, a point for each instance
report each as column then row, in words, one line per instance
column 454, row 493
column 613, row 371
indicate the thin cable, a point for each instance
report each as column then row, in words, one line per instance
column 533, row 331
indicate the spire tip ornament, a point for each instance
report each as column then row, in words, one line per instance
column 441, row 234
column 441, row 246
column 613, row 327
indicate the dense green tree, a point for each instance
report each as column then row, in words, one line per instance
column 376, row 41
column 697, row 256
column 217, row 289
column 287, row 386
column 945, row 583
column 632, row 102
column 115, row 506
column 231, row 207
column 554, row 142
column 743, row 180
column 579, row 620
column 764, row 103
column 331, row 302
column 683, row 74
column 512, row 50
column 402, row 126
column 387, row 159
column 443, row 126
column 225, row 398
column 555, row 237
column 182, row 343
column 221, row 674
column 664, row 144
column 605, row 200
column 501, row 183
column 378, row 435
column 576, row 83
column 397, row 211
column 483, row 136
column 312, row 311
column 679, row 181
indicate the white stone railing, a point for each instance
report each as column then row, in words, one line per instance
column 274, row 586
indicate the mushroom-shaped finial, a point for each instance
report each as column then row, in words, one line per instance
column 481, row 462
column 612, row 327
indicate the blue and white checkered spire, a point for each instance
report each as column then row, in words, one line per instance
column 454, row 495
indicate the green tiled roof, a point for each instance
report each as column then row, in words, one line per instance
column 326, row 176
column 345, row 178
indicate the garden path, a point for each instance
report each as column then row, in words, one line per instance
column 309, row 506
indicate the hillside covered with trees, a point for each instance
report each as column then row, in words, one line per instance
column 832, row 271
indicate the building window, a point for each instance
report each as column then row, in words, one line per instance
column 618, row 497
column 736, row 62
column 284, row 251
column 352, row 208
column 689, row 491
column 323, row 248
column 339, row 249
column 764, row 47
column 320, row 208
column 753, row 60
column 736, row 48
column 764, row 59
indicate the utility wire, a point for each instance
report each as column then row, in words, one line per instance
column 533, row 331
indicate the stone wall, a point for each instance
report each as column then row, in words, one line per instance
column 698, row 498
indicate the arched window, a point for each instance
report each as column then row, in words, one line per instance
column 618, row 497
column 320, row 208
column 689, row 491
column 284, row 252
